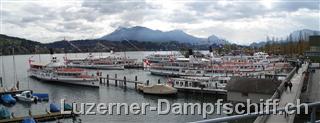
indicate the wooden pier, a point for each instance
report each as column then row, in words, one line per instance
column 201, row 90
column 120, row 82
column 134, row 66
column 287, row 97
column 40, row 117
column 123, row 83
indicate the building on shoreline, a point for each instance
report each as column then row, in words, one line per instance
column 314, row 51
column 239, row 89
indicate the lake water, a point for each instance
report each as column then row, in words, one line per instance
column 104, row 94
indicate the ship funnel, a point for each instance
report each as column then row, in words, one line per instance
column 210, row 49
column 51, row 51
column 90, row 56
column 53, row 58
column 190, row 53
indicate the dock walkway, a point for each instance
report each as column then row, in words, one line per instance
column 289, row 97
column 128, row 81
column 40, row 117
column 314, row 93
column 122, row 82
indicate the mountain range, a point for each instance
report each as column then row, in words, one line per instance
column 293, row 36
column 139, row 33
column 131, row 39
column 25, row 46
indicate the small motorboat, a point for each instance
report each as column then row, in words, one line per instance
column 26, row 96
column 4, row 113
column 41, row 96
column 54, row 108
column 157, row 89
column 67, row 107
column 8, row 99
column 28, row 120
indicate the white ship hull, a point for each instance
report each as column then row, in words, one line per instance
column 24, row 99
column 106, row 67
column 175, row 73
column 90, row 82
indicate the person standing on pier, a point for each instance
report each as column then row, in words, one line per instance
column 290, row 86
column 18, row 85
column 286, row 113
column 286, row 84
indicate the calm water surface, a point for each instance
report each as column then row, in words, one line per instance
column 105, row 94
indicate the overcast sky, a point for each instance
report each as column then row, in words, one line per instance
column 242, row 22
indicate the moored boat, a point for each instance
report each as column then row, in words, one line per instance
column 67, row 107
column 96, row 65
column 111, row 62
column 54, row 107
column 157, row 89
column 201, row 84
column 26, row 96
column 28, row 120
column 4, row 113
column 41, row 96
column 58, row 72
column 8, row 99
column 156, row 58
column 256, row 65
column 218, row 82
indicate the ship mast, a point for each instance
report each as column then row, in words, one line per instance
column 2, row 71
column 14, row 67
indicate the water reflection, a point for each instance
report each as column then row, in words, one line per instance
column 104, row 94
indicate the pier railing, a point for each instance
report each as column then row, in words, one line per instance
column 281, row 87
column 313, row 106
column 263, row 115
column 277, row 94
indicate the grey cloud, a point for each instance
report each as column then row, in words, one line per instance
column 130, row 11
column 63, row 27
column 50, row 19
column 115, row 6
column 229, row 11
column 181, row 16
column 13, row 22
column 247, row 9
column 10, row 18
column 295, row 5
column 5, row 13
column 30, row 19
column 120, row 24
column 72, row 27
column 36, row 9
column 31, row 13
column 92, row 16
column 138, row 16
column 87, row 14
column 200, row 6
